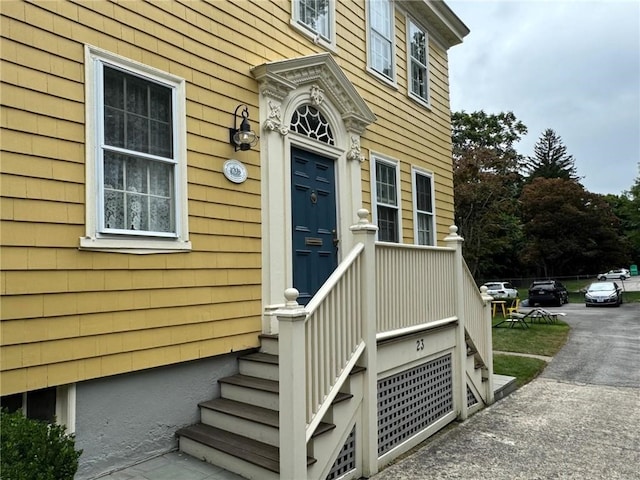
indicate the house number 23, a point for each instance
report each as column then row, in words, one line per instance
column 419, row 344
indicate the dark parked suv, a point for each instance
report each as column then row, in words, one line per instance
column 548, row 292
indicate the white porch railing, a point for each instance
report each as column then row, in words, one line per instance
column 333, row 336
column 414, row 285
column 381, row 290
column 476, row 315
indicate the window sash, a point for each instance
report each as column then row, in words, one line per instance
column 423, row 191
column 387, row 202
column 425, row 228
column 136, row 155
column 387, row 224
column 418, row 61
column 316, row 16
column 381, row 36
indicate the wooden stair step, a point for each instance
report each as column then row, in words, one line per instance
column 341, row 397
column 251, row 382
column 265, row 416
column 258, row 453
column 261, row 357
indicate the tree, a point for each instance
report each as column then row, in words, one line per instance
column 487, row 183
column 568, row 229
column 551, row 159
column 627, row 208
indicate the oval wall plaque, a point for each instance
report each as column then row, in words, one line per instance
column 235, row 171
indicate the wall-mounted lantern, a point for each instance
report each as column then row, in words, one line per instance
column 242, row 138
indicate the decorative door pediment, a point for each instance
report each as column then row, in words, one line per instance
column 324, row 77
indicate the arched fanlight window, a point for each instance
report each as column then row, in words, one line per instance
column 308, row 120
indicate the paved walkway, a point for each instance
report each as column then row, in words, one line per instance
column 529, row 355
column 173, row 466
column 545, row 430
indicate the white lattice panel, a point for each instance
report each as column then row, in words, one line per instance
column 410, row 401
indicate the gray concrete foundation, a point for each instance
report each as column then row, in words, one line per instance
column 125, row 419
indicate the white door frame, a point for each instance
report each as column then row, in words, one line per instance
column 285, row 85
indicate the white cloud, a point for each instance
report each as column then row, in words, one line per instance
column 573, row 66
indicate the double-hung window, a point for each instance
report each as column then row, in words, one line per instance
column 418, row 61
column 136, row 165
column 316, row 18
column 381, row 23
column 423, row 208
column 387, row 196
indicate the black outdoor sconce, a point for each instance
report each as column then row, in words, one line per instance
column 242, row 138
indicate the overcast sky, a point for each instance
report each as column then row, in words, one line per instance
column 572, row 66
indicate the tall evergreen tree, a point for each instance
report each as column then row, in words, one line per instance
column 550, row 159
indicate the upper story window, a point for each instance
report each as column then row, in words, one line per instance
column 418, row 61
column 387, row 200
column 136, row 165
column 380, row 35
column 424, row 218
column 316, row 19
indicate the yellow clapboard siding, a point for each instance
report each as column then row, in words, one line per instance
column 65, row 350
column 19, row 186
column 40, row 211
column 19, row 331
column 212, row 45
column 42, row 125
column 24, row 306
column 47, row 148
column 35, row 234
column 18, row 380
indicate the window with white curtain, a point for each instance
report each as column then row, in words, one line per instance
column 381, row 32
column 136, row 170
column 424, row 219
column 418, row 50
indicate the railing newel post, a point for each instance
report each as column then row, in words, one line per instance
column 455, row 241
column 292, row 379
column 365, row 232
column 486, row 298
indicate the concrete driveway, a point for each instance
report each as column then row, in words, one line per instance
column 579, row 420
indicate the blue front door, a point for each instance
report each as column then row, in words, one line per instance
column 313, row 205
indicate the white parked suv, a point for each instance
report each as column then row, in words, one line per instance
column 617, row 274
column 501, row 290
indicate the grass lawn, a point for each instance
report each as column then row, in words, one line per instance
column 538, row 339
column 524, row 369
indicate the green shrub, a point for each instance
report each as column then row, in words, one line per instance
column 35, row 450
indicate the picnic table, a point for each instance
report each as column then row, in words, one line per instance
column 537, row 314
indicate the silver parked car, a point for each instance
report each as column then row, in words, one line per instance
column 603, row 293
column 617, row 274
column 501, row 290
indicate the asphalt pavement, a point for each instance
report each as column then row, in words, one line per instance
column 579, row 420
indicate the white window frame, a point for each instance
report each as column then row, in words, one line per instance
column 94, row 239
column 65, row 408
column 328, row 41
column 375, row 159
column 415, row 172
column 426, row 100
column 372, row 34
